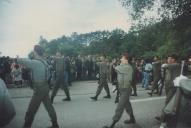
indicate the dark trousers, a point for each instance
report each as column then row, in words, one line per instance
column 58, row 85
column 100, row 88
column 155, row 85
column 103, row 84
column 41, row 94
column 170, row 91
column 134, row 86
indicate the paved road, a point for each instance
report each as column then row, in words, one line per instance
column 81, row 112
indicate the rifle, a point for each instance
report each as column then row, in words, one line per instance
column 117, row 92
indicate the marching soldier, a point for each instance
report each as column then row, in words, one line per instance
column 172, row 70
column 156, row 75
column 40, row 86
column 125, row 74
column 103, row 83
column 61, row 79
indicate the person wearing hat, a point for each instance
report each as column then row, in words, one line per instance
column 40, row 87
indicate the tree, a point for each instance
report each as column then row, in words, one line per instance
column 166, row 8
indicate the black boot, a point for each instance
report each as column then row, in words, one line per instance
column 158, row 118
column 107, row 96
column 112, row 125
column 52, row 99
column 67, row 92
column 131, row 121
column 134, row 94
column 67, row 99
column 54, row 125
column 94, row 98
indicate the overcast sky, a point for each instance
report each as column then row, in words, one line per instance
column 23, row 21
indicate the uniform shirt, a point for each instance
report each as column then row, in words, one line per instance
column 103, row 68
column 38, row 68
column 59, row 66
column 156, row 69
column 124, row 75
column 171, row 72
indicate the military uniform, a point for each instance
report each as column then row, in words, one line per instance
column 171, row 72
column 125, row 74
column 103, row 82
column 134, row 80
column 156, row 77
column 40, row 93
column 60, row 79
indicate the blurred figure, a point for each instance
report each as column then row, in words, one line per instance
column 7, row 110
column 147, row 74
column 40, row 75
column 103, row 82
column 156, row 75
column 78, row 63
column 134, row 80
column 17, row 75
column 61, row 77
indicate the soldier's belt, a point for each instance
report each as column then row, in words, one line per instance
column 38, row 84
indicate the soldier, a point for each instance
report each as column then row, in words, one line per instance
column 61, row 79
column 156, row 75
column 40, row 86
column 103, row 83
column 134, row 80
column 172, row 70
column 125, row 74
column 78, row 64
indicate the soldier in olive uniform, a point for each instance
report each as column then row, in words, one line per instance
column 134, row 80
column 156, row 75
column 103, row 82
column 60, row 78
column 172, row 70
column 125, row 74
column 40, row 86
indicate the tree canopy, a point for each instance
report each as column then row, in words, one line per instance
column 170, row 33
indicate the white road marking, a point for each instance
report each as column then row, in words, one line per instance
column 148, row 99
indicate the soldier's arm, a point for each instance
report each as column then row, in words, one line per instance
column 26, row 62
column 170, row 66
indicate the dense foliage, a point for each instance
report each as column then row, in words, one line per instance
column 170, row 32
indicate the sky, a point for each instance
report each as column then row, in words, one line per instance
column 22, row 22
